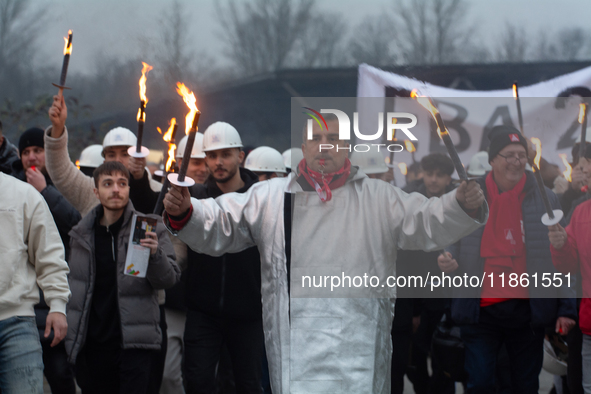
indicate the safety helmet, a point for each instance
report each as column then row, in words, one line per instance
column 119, row 136
column 196, row 152
column 265, row 159
column 371, row 162
column 221, row 135
column 91, row 156
column 552, row 363
column 479, row 164
column 293, row 157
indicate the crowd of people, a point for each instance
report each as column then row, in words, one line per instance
column 221, row 307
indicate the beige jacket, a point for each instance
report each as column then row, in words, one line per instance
column 32, row 252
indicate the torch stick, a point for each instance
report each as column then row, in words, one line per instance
column 140, row 126
column 583, row 145
column 66, row 62
column 179, row 179
column 166, row 185
column 551, row 217
column 518, row 102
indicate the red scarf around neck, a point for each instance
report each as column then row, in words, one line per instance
column 323, row 183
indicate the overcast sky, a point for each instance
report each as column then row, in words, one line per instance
column 118, row 27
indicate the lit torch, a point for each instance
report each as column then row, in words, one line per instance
column 191, row 121
column 551, row 217
column 67, row 53
column 518, row 103
column 141, row 151
column 569, row 169
column 583, row 122
column 411, row 148
column 443, row 133
column 170, row 137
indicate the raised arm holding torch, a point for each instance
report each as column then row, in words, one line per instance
column 67, row 53
column 139, row 150
column 191, row 121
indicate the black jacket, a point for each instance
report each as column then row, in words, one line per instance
column 227, row 286
column 141, row 194
column 8, row 155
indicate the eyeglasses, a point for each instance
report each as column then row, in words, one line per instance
column 515, row 159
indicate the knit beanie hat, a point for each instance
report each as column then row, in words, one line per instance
column 31, row 137
column 501, row 136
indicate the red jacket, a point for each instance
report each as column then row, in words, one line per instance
column 575, row 257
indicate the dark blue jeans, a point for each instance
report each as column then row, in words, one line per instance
column 21, row 362
column 524, row 346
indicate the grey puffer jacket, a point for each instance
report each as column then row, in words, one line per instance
column 137, row 297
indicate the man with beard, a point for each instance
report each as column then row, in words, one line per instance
column 223, row 293
column 342, row 223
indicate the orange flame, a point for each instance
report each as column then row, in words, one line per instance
column 168, row 135
column 428, row 105
column 409, row 146
column 68, row 45
column 171, row 150
column 515, row 90
column 191, row 101
column 142, row 82
column 403, row 169
column 569, row 169
column 538, row 144
column 387, row 160
column 582, row 110
column 78, row 164
column 394, row 121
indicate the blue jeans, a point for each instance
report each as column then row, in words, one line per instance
column 524, row 346
column 21, row 362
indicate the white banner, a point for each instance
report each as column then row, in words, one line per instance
column 469, row 115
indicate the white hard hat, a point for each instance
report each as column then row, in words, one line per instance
column 119, row 136
column 91, row 156
column 196, row 152
column 265, row 159
column 479, row 164
column 221, row 135
column 552, row 363
column 293, row 157
column 371, row 162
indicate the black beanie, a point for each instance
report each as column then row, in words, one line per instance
column 501, row 136
column 31, row 137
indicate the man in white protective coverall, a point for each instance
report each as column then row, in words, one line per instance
column 327, row 220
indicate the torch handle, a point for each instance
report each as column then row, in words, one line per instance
column 64, row 70
column 583, row 145
column 451, row 149
column 187, row 155
column 160, row 202
column 543, row 192
column 140, row 133
column 519, row 115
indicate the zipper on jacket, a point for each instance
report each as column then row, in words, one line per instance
column 223, row 284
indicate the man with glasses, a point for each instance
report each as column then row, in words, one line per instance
column 514, row 241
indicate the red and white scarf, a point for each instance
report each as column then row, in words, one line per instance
column 323, row 183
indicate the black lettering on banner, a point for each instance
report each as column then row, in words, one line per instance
column 436, row 145
column 501, row 111
column 567, row 140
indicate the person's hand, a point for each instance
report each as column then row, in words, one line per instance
column 446, row 263
column 58, row 113
column 137, row 167
column 151, row 241
column 177, row 201
column 470, row 195
column 578, row 178
column 564, row 324
column 557, row 235
column 36, row 179
column 59, row 323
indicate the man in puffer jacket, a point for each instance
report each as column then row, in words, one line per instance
column 114, row 317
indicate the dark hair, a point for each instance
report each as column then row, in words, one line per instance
column 415, row 168
column 575, row 152
column 0, row 125
column 436, row 161
column 108, row 168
